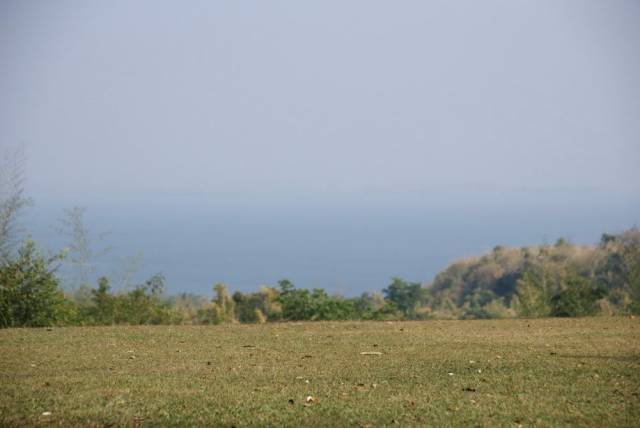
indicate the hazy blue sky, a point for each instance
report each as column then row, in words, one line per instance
column 334, row 143
column 329, row 97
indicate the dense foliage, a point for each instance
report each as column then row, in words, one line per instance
column 551, row 280
column 561, row 280
column 29, row 292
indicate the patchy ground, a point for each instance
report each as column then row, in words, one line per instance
column 551, row 372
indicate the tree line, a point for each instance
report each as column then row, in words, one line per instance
column 562, row 279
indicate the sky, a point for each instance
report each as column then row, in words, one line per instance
column 333, row 142
column 327, row 98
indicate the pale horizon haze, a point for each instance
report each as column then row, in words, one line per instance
column 338, row 143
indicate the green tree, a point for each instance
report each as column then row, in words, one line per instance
column 144, row 304
column 372, row 306
column 257, row 307
column 316, row 304
column 29, row 290
column 483, row 304
column 247, row 307
column 406, row 296
column 578, row 298
column 631, row 257
column 103, row 304
column 620, row 269
column 296, row 304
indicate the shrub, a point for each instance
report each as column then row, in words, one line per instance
column 29, row 290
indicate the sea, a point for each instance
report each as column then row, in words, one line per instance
column 346, row 244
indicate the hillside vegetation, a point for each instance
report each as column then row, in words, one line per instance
column 551, row 280
column 563, row 280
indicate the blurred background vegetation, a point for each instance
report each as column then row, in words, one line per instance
column 561, row 280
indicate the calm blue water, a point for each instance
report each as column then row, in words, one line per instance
column 344, row 244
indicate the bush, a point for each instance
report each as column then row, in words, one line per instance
column 406, row 296
column 578, row 299
column 29, row 290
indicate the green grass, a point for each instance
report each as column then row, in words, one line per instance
column 551, row 372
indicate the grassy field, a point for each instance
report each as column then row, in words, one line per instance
column 551, row 372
